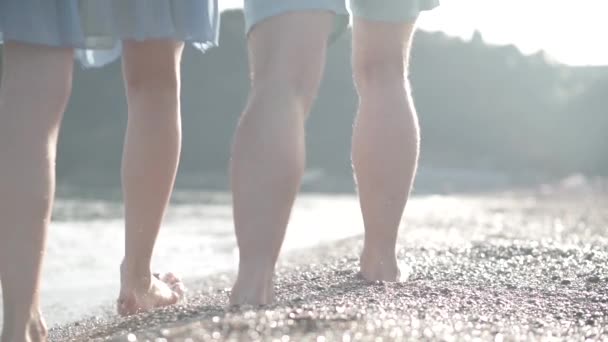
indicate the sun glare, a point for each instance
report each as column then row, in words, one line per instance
column 570, row 32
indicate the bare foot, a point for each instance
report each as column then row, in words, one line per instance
column 143, row 295
column 34, row 330
column 379, row 268
column 253, row 291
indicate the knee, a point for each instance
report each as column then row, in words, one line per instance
column 378, row 71
column 45, row 74
column 58, row 93
column 50, row 95
column 152, row 69
column 160, row 82
column 295, row 79
column 37, row 106
column 153, row 94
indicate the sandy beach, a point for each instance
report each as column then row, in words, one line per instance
column 501, row 267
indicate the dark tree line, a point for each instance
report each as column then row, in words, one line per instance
column 480, row 106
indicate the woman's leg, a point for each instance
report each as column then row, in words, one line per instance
column 35, row 87
column 150, row 159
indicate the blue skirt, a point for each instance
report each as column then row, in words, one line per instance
column 95, row 28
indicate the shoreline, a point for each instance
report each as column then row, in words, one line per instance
column 496, row 268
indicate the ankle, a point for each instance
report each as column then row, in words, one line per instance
column 253, row 289
column 379, row 254
column 32, row 328
column 37, row 328
column 380, row 266
column 136, row 276
column 255, row 272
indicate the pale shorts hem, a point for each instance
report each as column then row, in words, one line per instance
column 257, row 11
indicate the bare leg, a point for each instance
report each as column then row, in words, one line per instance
column 36, row 83
column 150, row 159
column 287, row 55
column 385, row 140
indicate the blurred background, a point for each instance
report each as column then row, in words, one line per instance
column 507, row 93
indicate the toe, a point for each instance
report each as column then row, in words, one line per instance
column 179, row 288
column 170, row 278
column 175, row 283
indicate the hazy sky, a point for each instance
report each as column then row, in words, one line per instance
column 571, row 31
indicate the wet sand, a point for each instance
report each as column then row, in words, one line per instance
column 511, row 266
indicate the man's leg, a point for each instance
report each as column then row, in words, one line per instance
column 287, row 55
column 385, row 140
column 35, row 87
